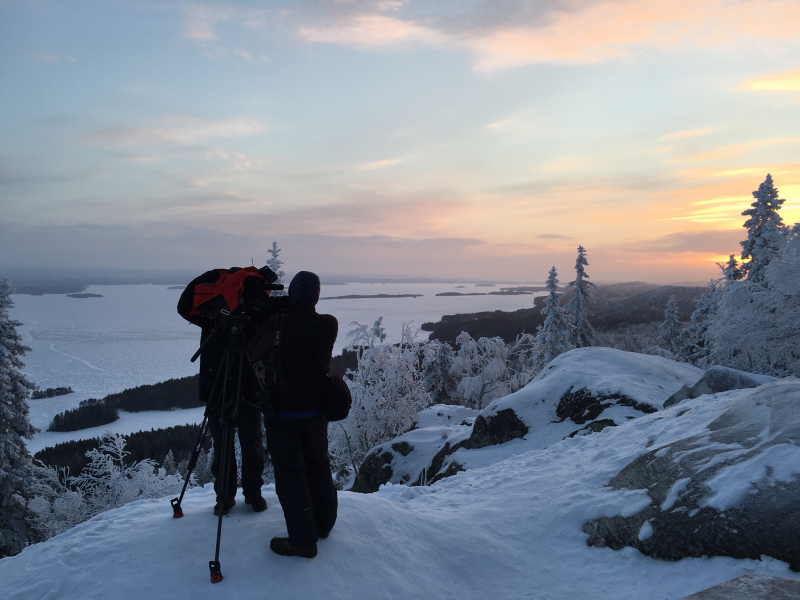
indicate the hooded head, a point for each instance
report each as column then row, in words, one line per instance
column 304, row 286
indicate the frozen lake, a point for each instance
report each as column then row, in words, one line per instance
column 134, row 336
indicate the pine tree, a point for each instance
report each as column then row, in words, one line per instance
column 275, row 264
column 202, row 470
column 731, row 270
column 756, row 328
column 765, row 231
column 169, row 464
column 581, row 331
column 16, row 465
column 671, row 327
column 553, row 335
column 436, row 377
column 697, row 345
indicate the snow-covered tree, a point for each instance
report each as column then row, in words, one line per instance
column 61, row 501
column 521, row 361
column 436, row 377
column 387, row 393
column 765, row 231
column 581, row 331
column 202, row 470
column 56, row 505
column 756, row 326
column 731, row 270
column 169, row 463
column 482, row 369
column 107, row 482
column 275, row 264
column 554, row 334
column 670, row 328
column 696, row 343
column 16, row 466
column 364, row 337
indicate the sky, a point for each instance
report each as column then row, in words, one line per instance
column 460, row 140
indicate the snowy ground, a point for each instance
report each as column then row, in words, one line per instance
column 511, row 530
column 134, row 336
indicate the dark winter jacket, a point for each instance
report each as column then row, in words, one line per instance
column 305, row 354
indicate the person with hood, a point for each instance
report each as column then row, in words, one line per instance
column 297, row 434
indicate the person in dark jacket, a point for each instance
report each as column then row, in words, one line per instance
column 297, row 437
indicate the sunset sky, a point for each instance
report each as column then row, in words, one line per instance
column 459, row 139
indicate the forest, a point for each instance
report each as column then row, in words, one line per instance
column 167, row 395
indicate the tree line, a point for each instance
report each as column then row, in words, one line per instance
column 173, row 393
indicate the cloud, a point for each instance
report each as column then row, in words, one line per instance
column 717, row 241
column 380, row 164
column 500, row 125
column 678, row 135
column 200, row 20
column 560, row 32
column 553, row 236
column 785, row 81
column 731, row 150
column 372, row 30
column 175, row 130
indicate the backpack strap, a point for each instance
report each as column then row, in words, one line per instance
column 276, row 344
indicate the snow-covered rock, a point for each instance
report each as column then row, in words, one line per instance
column 718, row 379
column 413, row 457
column 730, row 488
column 580, row 392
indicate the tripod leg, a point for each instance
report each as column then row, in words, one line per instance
column 177, row 512
column 227, row 448
column 224, row 475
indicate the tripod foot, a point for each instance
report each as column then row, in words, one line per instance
column 216, row 575
column 177, row 511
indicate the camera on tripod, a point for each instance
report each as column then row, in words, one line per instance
column 229, row 305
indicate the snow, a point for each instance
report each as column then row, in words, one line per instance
column 646, row 379
column 511, row 530
column 605, row 371
column 674, row 493
column 732, row 484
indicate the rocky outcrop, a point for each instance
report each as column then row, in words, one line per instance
column 374, row 472
column 494, row 429
column 751, row 587
column 718, row 379
column 582, row 405
column 730, row 492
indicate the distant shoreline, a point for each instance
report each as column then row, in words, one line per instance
column 361, row 297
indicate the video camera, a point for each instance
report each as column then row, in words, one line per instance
column 210, row 299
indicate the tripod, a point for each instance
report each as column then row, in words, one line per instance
column 232, row 362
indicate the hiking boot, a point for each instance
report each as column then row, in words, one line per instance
column 256, row 501
column 282, row 546
column 227, row 506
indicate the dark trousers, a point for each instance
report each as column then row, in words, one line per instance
column 303, row 481
column 249, row 431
